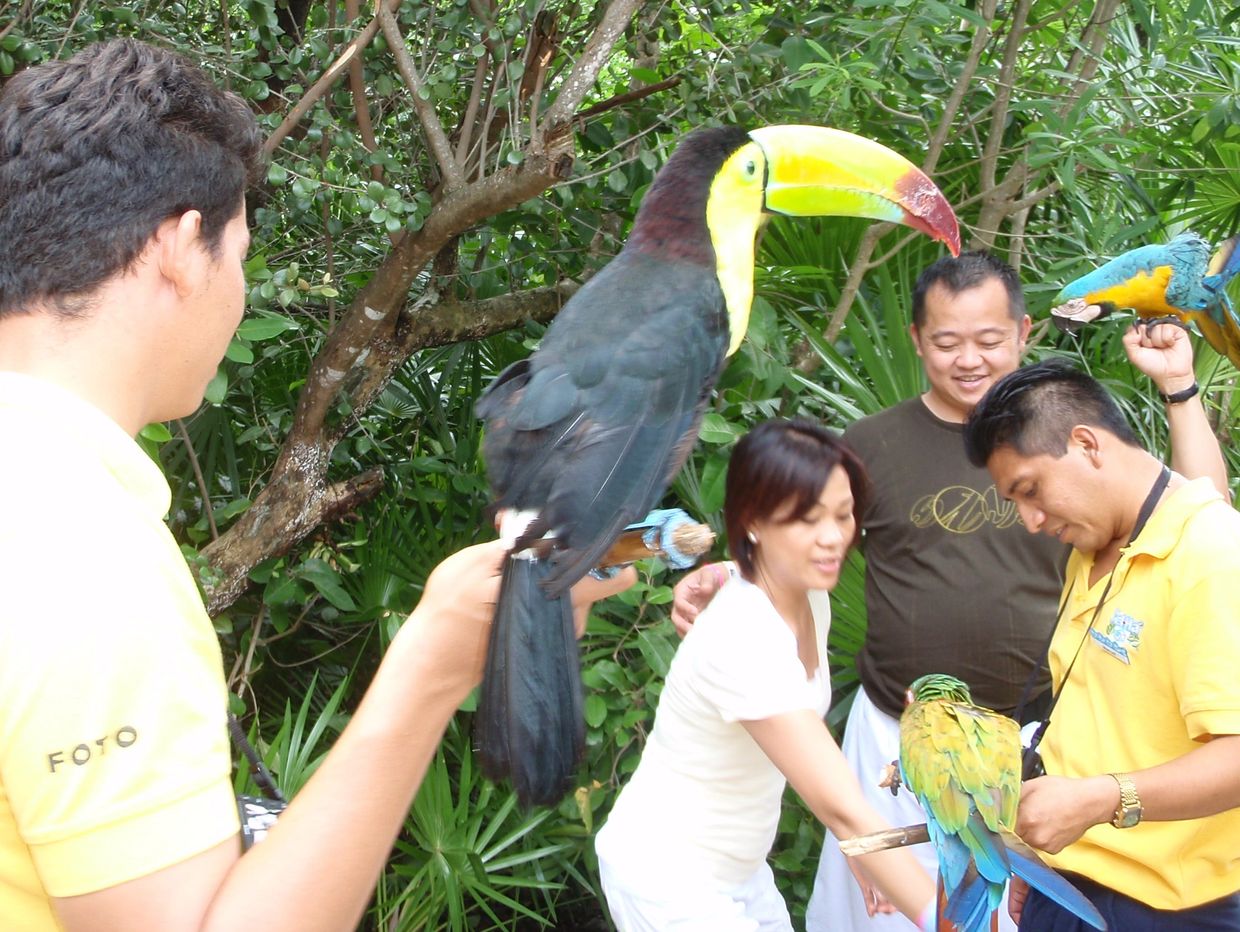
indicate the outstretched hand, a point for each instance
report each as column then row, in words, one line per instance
column 452, row 621
column 693, row 593
column 453, row 618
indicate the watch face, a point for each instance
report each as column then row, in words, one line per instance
column 1128, row 818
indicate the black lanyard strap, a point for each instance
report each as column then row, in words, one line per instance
column 1143, row 516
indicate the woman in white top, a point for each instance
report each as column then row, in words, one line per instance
column 742, row 711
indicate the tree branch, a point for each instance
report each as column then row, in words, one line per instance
column 1003, row 95
column 435, row 138
column 585, row 71
column 361, row 105
column 323, row 84
column 628, row 97
column 297, row 501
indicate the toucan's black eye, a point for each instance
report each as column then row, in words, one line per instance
column 751, row 168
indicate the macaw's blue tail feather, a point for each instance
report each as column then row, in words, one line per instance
column 530, row 724
column 953, row 854
column 987, row 849
column 971, row 906
column 1029, row 867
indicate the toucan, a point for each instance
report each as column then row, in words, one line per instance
column 584, row 436
column 1183, row 281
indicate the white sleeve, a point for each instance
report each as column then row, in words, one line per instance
column 745, row 660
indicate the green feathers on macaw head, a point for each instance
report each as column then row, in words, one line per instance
column 937, row 686
column 1180, row 281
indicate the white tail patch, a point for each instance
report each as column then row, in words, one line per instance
column 512, row 524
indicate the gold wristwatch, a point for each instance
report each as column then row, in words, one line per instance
column 1128, row 813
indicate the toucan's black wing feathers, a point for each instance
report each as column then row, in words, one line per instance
column 600, row 401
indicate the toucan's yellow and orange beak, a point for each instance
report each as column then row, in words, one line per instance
column 818, row 171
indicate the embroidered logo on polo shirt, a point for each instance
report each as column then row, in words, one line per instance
column 1122, row 636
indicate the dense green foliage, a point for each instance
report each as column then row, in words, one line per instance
column 1063, row 132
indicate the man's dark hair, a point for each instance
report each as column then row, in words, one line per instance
column 968, row 270
column 1034, row 409
column 96, row 152
column 781, row 461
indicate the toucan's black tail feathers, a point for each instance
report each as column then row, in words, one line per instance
column 530, row 725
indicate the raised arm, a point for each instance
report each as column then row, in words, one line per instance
column 1165, row 354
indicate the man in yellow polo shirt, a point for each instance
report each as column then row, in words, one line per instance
column 122, row 234
column 1141, row 801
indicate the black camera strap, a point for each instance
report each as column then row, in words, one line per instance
column 1147, row 509
column 258, row 770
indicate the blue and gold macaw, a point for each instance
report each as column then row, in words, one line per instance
column 1180, row 281
column 962, row 762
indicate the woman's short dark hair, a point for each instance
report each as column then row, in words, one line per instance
column 782, row 461
column 96, row 152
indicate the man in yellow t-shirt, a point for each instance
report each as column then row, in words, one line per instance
column 122, row 233
column 1141, row 801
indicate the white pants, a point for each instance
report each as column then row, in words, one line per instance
column 871, row 742
column 680, row 902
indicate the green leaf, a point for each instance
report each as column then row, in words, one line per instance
column 156, row 433
column 716, row 429
column 596, row 711
column 256, row 329
column 217, row 388
column 239, row 352
column 657, row 651
column 281, row 589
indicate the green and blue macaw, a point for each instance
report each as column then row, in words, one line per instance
column 962, row 762
column 1179, row 281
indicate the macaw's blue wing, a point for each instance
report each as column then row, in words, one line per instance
column 1177, row 280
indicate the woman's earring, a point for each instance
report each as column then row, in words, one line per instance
column 753, row 538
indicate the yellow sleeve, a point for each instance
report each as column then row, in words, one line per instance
column 115, row 760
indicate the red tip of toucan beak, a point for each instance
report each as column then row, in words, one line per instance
column 927, row 210
column 908, row 693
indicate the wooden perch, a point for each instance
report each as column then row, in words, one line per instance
column 692, row 540
column 888, row 838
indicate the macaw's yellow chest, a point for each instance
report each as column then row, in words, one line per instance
column 1145, row 293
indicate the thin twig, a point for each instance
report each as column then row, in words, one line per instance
column 198, row 477
column 323, row 84
column 21, row 15
column 435, row 138
column 361, row 104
